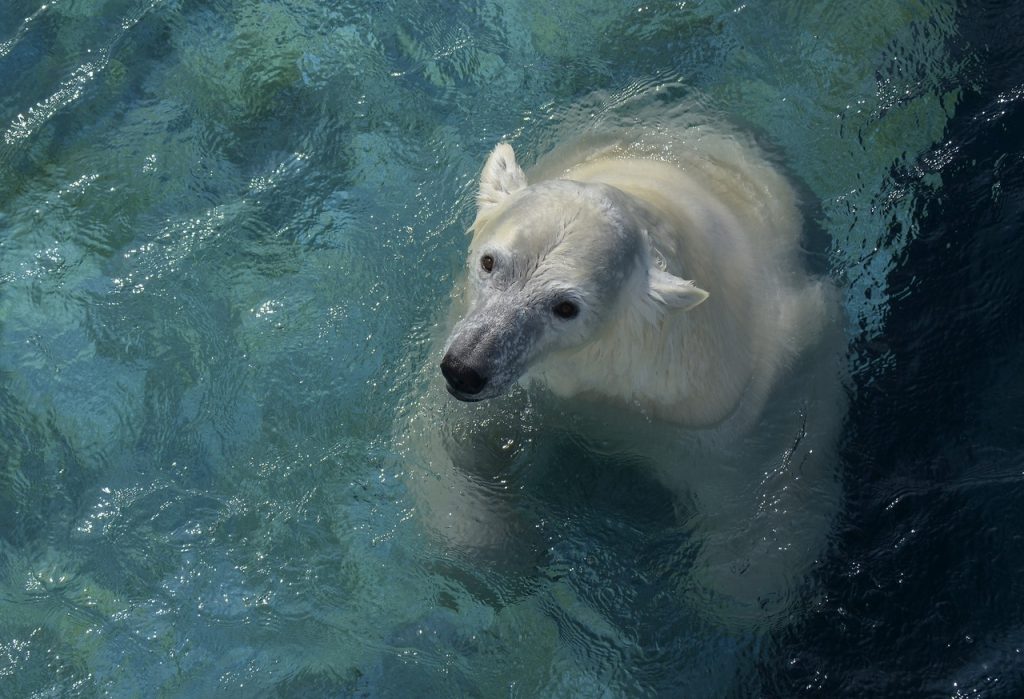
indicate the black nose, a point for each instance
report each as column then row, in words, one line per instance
column 462, row 378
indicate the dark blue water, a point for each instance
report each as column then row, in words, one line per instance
column 227, row 229
column 923, row 595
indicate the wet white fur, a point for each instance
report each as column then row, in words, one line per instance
column 720, row 216
column 752, row 466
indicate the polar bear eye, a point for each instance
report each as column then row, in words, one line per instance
column 487, row 262
column 566, row 310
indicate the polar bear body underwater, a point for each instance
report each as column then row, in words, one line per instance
column 651, row 279
column 671, row 287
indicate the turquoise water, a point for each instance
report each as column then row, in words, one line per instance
column 227, row 229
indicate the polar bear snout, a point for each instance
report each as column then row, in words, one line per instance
column 489, row 349
column 463, row 381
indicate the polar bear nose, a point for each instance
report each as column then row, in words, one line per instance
column 461, row 377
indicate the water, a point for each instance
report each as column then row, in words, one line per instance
column 227, row 229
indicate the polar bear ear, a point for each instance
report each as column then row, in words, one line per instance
column 501, row 178
column 672, row 291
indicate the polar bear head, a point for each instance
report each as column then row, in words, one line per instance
column 550, row 265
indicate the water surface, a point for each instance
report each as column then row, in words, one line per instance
column 226, row 231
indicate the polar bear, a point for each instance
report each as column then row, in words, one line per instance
column 581, row 282
column 645, row 282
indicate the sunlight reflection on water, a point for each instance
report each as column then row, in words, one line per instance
column 228, row 230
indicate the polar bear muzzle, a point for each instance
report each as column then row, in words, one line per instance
column 493, row 345
column 463, row 381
